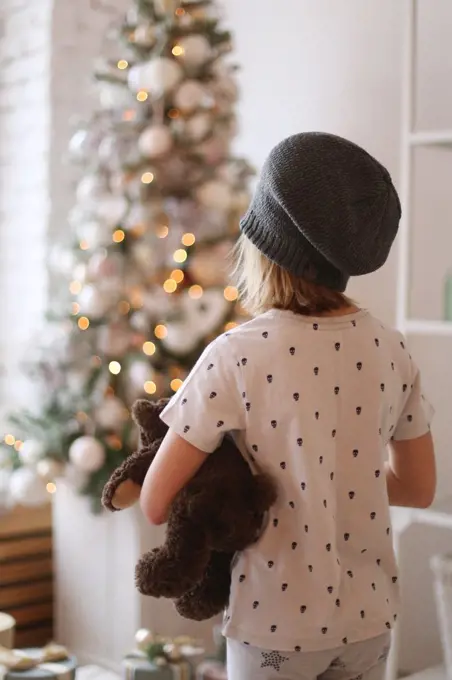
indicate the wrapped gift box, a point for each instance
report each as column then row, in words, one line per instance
column 211, row 670
column 57, row 670
column 140, row 668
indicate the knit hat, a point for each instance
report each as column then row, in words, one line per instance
column 324, row 209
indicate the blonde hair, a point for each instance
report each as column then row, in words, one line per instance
column 264, row 285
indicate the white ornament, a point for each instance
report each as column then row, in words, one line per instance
column 79, row 144
column 144, row 255
column 49, row 469
column 114, row 340
column 190, row 96
column 93, row 302
column 87, row 454
column 27, row 488
column 145, row 35
column 199, row 318
column 155, row 141
column 90, row 188
column 143, row 639
column 114, row 96
column 139, row 372
column 198, row 126
column 196, row 50
column 31, row 451
column 96, row 234
column 111, row 209
column 111, row 414
column 158, row 76
column 215, row 194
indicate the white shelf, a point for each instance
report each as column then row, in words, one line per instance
column 439, row 515
column 435, row 673
column 431, row 138
column 424, row 327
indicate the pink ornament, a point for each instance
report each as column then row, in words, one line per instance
column 100, row 265
column 214, row 150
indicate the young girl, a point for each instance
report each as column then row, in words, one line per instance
column 314, row 390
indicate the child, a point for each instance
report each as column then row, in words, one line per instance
column 313, row 389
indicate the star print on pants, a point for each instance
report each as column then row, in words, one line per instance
column 273, row 660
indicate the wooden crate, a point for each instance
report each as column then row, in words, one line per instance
column 26, row 573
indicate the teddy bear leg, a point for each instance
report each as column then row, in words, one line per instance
column 176, row 567
column 211, row 595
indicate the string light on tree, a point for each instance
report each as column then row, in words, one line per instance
column 195, row 292
column 177, row 275
column 176, row 384
column 180, row 256
column 149, row 348
column 170, row 286
column 188, row 240
column 160, row 332
column 150, row 387
column 231, row 293
column 114, row 367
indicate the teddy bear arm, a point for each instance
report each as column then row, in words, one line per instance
column 123, row 487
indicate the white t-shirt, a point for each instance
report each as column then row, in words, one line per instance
column 313, row 402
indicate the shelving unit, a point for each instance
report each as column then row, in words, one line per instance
column 440, row 515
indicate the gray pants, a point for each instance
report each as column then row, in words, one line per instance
column 359, row 661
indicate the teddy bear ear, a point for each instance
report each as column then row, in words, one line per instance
column 146, row 415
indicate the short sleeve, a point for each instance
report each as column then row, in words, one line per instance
column 417, row 413
column 209, row 403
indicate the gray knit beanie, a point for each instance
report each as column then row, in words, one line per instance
column 324, row 209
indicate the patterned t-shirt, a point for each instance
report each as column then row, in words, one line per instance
column 313, row 402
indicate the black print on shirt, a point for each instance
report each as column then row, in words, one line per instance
column 273, row 660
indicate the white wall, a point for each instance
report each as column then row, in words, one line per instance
column 323, row 65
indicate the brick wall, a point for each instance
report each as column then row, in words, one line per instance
column 47, row 48
column 25, row 53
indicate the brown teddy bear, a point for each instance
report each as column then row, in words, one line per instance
column 219, row 512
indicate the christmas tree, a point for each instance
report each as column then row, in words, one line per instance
column 144, row 274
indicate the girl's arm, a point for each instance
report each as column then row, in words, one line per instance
column 411, row 472
column 176, row 462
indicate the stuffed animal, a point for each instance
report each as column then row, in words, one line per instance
column 219, row 512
